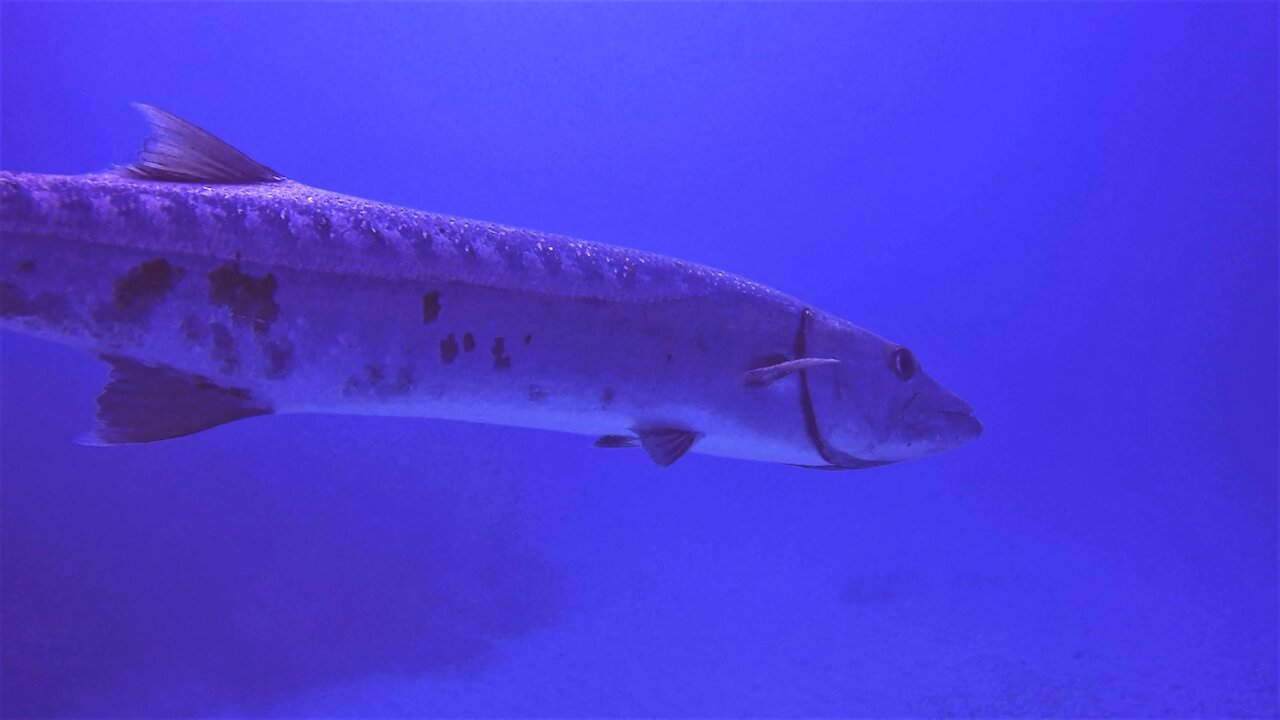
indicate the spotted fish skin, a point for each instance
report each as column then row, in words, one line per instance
column 322, row 295
column 307, row 300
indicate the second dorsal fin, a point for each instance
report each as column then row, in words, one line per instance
column 177, row 151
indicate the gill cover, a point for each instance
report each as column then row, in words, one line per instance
column 814, row 339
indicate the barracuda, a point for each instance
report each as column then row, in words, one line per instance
column 216, row 289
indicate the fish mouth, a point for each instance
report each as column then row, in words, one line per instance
column 948, row 427
column 965, row 426
column 949, row 423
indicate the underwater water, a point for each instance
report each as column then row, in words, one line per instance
column 1069, row 211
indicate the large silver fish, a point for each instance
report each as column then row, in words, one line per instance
column 217, row 290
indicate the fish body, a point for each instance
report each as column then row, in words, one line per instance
column 218, row 290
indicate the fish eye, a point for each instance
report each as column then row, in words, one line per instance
column 903, row 364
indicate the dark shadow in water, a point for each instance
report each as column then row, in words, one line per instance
column 227, row 573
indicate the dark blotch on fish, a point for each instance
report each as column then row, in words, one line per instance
column 551, row 262
column 418, row 238
column 48, row 307
column 271, row 216
column 430, row 307
column 588, row 265
column 606, row 397
column 194, row 330
column 528, row 338
column 626, row 275
column 181, row 213
column 499, row 350
column 224, row 349
column 124, row 203
column 137, row 292
column 468, row 250
column 448, row 349
column 230, row 215
column 668, row 357
column 75, row 208
column 404, row 381
column 536, row 394
column 468, row 342
column 13, row 300
column 250, row 298
column 375, row 383
column 279, row 359
column 322, row 226
column 274, row 223
column 513, row 255
column 25, row 266
column 367, row 230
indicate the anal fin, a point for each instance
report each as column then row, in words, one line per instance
column 142, row 403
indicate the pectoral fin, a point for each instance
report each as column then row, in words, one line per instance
column 142, row 404
column 772, row 373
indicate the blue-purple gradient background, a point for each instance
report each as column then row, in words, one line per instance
column 1068, row 210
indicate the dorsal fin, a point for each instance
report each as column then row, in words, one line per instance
column 177, row 151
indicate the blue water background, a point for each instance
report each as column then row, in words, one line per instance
column 1069, row 211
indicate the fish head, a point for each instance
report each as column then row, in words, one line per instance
column 877, row 405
